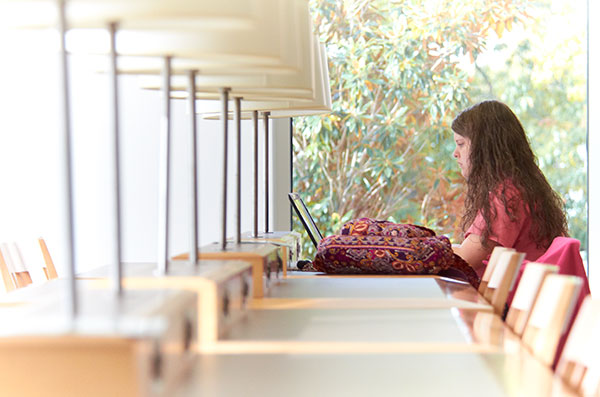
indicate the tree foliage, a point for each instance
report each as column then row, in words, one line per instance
column 543, row 81
column 397, row 82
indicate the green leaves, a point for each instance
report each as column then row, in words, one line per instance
column 385, row 151
column 543, row 82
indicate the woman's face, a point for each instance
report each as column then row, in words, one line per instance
column 462, row 154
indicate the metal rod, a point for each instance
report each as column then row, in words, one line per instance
column 224, row 114
column 67, row 166
column 163, row 171
column 266, row 127
column 193, row 168
column 238, row 170
column 255, row 122
column 117, row 276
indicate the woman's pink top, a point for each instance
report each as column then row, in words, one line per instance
column 506, row 232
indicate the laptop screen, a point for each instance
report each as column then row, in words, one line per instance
column 307, row 220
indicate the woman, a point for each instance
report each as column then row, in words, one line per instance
column 509, row 201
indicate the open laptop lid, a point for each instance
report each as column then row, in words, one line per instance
column 307, row 220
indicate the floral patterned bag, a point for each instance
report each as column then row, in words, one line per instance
column 367, row 246
column 368, row 226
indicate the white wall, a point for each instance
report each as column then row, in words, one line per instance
column 29, row 198
column 282, row 178
column 29, row 162
column 140, row 170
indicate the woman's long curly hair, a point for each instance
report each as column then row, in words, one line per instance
column 500, row 153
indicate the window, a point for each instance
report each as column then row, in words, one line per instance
column 401, row 71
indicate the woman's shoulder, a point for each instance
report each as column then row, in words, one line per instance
column 507, row 197
column 506, row 189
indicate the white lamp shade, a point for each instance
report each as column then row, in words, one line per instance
column 278, row 109
column 322, row 102
column 147, row 65
column 222, row 14
column 269, row 41
column 293, row 86
column 236, row 34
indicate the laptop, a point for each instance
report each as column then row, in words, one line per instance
column 307, row 220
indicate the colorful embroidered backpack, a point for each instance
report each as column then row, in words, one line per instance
column 367, row 246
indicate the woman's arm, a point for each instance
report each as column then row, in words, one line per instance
column 473, row 251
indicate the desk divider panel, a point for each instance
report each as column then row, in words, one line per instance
column 290, row 244
column 138, row 344
column 223, row 288
column 265, row 259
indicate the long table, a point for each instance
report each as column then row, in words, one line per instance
column 324, row 291
column 322, row 335
column 318, row 335
column 391, row 374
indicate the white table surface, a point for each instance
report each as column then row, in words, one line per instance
column 435, row 374
column 349, row 291
column 366, row 331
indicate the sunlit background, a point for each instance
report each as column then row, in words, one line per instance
column 401, row 71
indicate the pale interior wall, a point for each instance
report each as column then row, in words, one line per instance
column 29, row 133
column 281, row 174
